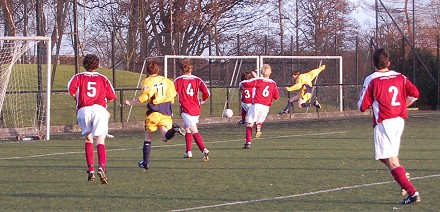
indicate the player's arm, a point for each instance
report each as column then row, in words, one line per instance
column 297, row 85
column 366, row 99
column 412, row 93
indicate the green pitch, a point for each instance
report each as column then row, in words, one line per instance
column 319, row 165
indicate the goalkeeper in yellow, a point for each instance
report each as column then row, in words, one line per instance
column 303, row 83
column 158, row 92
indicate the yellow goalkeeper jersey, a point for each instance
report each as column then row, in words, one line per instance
column 305, row 79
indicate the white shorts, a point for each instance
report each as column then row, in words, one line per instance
column 387, row 137
column 93, row 119
column 257, row 113
column 245, row 106
column 189, row 120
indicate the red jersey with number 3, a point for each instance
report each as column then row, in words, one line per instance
column 386, row 93
column 247, row 91
column 266, row 90
column 188, row 88
column 90, row 88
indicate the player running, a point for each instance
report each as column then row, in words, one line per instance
column 389, row 93
column 266, row 90
column 92, row 91
column 246, row 90
column 158, row 92
column 188, row 87
column 303, row 82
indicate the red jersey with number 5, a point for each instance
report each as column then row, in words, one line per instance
column 247, row 91
column 266, row 90
column 386, row 93
column 90, row 88
column 188, row 88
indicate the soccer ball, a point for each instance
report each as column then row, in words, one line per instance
column 141, row 164
column 228, row 113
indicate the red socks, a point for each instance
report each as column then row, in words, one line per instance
column 89, row 156
column 248, row 134
column 188, row 140
column 199, row 141
column 102, row 157
column 399, row 175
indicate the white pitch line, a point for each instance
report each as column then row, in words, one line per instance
column 297, row 195
column 172, row 145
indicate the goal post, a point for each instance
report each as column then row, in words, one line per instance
column 25, row 88
column 332, row 78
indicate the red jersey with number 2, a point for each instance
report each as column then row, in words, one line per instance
column 386, row 93
column 188, row 88
column 266, row 90
column 91, row 88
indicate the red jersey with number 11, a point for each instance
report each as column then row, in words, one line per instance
column 90, row 88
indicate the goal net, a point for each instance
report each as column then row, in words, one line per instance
column 25, row 74
column 328, row 84
column 222, row 74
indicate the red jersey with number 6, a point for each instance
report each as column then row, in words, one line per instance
column 188, row 88
column 386, row 93
column 90, row 88
column 266, row 90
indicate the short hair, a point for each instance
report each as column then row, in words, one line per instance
column 247, row 75
column 153, row 66
column 266, row 70
column 91, row 62
column 186, row 65
column 381, row 59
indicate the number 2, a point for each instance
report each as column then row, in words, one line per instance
column 395, row 91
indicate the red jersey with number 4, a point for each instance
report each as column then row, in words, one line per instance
column 90, row 88
column 188, row 88
column 386, row 93
column 247, row 91
column 266, row 90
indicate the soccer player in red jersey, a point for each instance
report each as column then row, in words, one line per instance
column 246, row 90
column 159, row 93
column 188, row 87
column 265, row 91
column 92, row 91
column 389, row 93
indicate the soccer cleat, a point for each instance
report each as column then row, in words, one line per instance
column 187, row 155
column 91, row 176
column 179, row 129
column 242, row 122
column 283, row 112
column 411, row 199
column 102, row 177
column 258, row 134
column 205, row 154
column 142, row 165
column 247, row 145
column 316, row 104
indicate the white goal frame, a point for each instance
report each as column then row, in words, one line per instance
column 257, row 58
column 339, row 58
column 48, row 73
